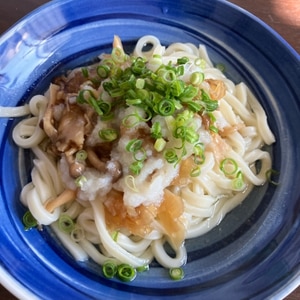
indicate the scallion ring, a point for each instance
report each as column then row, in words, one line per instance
column 81, row 155
column 136, row 167
column 109, row 269
column 103, row 71
column 134, row 145
column 176, row 273
column 118, row 55
column 29, row 221
column 108, row 134
column 170, row 156
column 228, row 166
column 66, row 223
column 79, row 181
column 126, row 272
column 238, row 182
column 195, row 172
column 143, row 268
column 269, row 174
column 166, row 107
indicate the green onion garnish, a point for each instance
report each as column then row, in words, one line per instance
column 81, row 155
column 228, row 166
column 126, row 272
column 170, row 156
column 182, row 60
column 176, row 273
column 130, row 182
column 196, row 78
column 136, row 167
column 66, row 223
column 85, row 72
column 108, row 134
column 103, row 71
column 79, row 181
column 134, row 145
column 109, row 269
column 238, row 182
column 143, row 268
column 269, row 174
column 29, row 221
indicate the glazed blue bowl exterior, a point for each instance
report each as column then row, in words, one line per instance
column 255, row 252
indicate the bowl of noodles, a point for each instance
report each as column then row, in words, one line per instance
column 148, row 149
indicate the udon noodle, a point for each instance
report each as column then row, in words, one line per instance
column 140, row 151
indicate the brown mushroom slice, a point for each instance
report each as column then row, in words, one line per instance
column 65, row 197
column 47, row 124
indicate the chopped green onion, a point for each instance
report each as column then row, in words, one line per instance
column 77, row 234
column 85, row 72
column 213, row 129
column 65, row 223
column 116, row 92
column 171, row 156
column 131, row 120
column 182, row 60
column 160, row 144
column 194, row 106
column 180, row 70
column 109, row 269
column 140, row 83
column 114, row 235
column 168, row 76
column 126, row 272
column 136, row 167
column 108, row 134
column 200, row 63
column 140, row 155
column 228, row 166
column 103, row 71
column 189, row 93
column 177, row 87
column 238, row 183
column 118, row 55
column 176, row 273
column 143, row 268
column 134, row 145
column 81, row 155
column 138, row 66
column 130, row 182
column 269, row 174
column 156, row 130
column 199, row 156
column 29, row 221
column 191, row 135
column 209, row 104
column 166, row 107
column 221, row 67
column 84, row 96
column 195, row 172
column 79, row 181
column 196, row 78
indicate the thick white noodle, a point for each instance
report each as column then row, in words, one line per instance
column 116, row 251
column 13, row 112
column 165, row 259
column 27, row 133
column 74, row 248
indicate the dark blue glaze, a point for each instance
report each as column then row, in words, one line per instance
column 255, row 252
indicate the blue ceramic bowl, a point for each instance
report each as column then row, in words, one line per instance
column 255, row 252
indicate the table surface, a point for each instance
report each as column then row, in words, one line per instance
column 283, row 16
